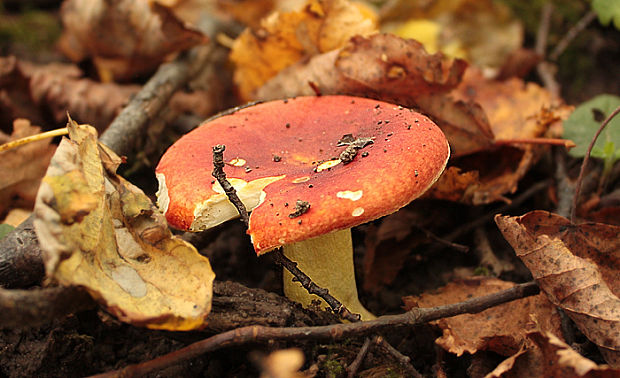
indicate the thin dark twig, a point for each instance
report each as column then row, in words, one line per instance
column 357, row 362
column 304, row 280
column 245, row 335
column 572, row 34
column 585, row 162
column 220, row 175
column 313, row 288
column 403, row 360
column 444, row 242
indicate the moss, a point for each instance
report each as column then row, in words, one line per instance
column 392, row 373
column 482, row 271
column 333, row 368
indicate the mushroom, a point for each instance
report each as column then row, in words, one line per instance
column 309, row 169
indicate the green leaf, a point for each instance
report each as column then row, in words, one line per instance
column 582, row 124
column 5, row 229
column 607, row 10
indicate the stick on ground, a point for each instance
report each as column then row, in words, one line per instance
column 261, row 334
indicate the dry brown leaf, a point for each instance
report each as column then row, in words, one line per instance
column 286, row 38
column 39, row 90
column 389, row 68
column 500, row 329
column 99, row 231
column 28, row 89
column 123, row 37
column 548, row 356
column 577, row 267
column 22, row 167
column 515, row 110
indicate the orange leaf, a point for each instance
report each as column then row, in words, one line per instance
column 500, row 329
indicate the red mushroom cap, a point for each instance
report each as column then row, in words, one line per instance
column 287, row 151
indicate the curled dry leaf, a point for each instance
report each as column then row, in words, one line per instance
column 548, row 356
column 577, row 267
column 500, row 329
column 389, row 68
column 286, row 38
column 23, row 167
column 123, row 37
column 99, row 231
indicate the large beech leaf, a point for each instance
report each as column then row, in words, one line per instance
column 99, row 231
column 577, row 267
column 501, row 329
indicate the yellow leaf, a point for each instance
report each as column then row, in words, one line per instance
column 99, row 231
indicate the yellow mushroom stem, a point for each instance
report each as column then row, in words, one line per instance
column 328, row 261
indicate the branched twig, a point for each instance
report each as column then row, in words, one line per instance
column 585, row 162
column 304, row 280
column 245, row 335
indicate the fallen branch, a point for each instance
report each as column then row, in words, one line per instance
column 233, row 306
column 23, row 308
column 332, row 332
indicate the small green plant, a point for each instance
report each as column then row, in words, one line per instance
column 607, row 10
column 585, row 121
